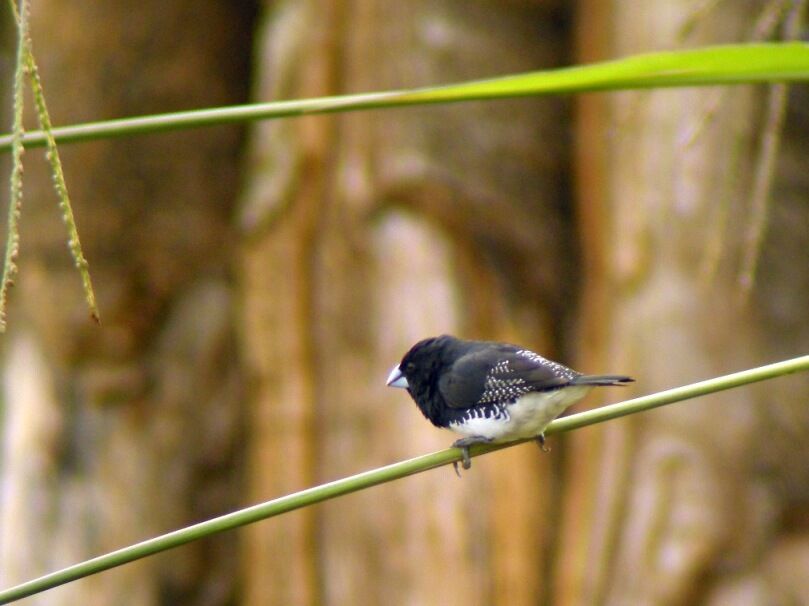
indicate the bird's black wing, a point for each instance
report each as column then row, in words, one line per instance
column 499, row 374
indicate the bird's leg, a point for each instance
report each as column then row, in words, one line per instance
column 464, row 444
column 541, row 442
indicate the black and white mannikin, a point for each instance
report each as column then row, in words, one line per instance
column 488, row 391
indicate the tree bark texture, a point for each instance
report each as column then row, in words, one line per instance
column 355, row 235
column 115, row 433
column 705, row 501
column 364, row 233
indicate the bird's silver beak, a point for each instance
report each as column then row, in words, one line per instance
column 396, row 378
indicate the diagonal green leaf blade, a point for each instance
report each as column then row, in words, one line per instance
column 711, row 65
column 381, row 475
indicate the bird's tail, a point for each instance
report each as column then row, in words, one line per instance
column 603, row 380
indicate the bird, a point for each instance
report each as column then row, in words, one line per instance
column 490, row 392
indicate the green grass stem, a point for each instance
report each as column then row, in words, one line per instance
column 381, row 475
column 58, row 178
column 27, row 65
column 711, row 65
column 17, row 149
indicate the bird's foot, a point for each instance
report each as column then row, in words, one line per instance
column 464, row 444
column 541, row 443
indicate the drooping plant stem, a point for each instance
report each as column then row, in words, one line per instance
column 17, row 150
column 27, row 65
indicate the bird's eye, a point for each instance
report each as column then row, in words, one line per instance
column 410, row 367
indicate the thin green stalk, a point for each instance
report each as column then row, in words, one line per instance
column 59, row 184
column 711, row 65
column 57, row 174
column 17, row 149
column 382, row 475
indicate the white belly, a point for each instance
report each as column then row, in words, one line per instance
column 526, row 418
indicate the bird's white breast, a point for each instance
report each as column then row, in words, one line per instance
column 527, row 417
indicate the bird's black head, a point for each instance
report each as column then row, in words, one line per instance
column 420, row 370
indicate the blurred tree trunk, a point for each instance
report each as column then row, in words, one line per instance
column 365, row 233
column 360, row 234
column 115, row 433
column 705, row 501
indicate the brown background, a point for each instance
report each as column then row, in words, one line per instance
column 257, row 284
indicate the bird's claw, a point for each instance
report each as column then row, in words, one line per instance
column 541, row 443
column 466, row 461
column 464, row 444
